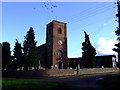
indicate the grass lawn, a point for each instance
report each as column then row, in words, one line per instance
column 10, row 84
column 111, row 83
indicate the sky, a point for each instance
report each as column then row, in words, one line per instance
column 96, row 18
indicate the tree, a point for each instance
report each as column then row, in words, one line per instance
column 117, row 49
column 18, row 55
column 0, row 55
column 29, row 49
column 5, row 54
column 88, row 54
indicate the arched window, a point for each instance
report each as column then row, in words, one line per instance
column 60, row 64
column 60, row 31
column 59, row 54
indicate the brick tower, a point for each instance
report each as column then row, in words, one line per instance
column 56, row 42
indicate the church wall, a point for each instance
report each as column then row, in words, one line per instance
column 57, row 72
column 41, row 55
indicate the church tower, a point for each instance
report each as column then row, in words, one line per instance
column 56, row 42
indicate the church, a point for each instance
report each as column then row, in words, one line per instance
column 53, row 54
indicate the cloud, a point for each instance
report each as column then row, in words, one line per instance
column 104, row 47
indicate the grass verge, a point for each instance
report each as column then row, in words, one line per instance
column 12, row 84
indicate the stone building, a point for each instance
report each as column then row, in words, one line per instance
column 53, row 54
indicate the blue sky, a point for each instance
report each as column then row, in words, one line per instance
column 96, row 18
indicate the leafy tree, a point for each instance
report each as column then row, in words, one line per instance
column 18, row 55
column 29, row 49
column 5, row 54
column 88, row 54
column 117, row 49
column 0, row 55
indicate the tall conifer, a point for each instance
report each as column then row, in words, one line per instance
column 88, row 54
column 29, row 49
column 18, row 55
column 5, row 54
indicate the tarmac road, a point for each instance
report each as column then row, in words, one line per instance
column 89, row 82
column 86, row 83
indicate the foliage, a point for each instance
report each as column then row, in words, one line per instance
column 117, row 49
column 73, row 63
column 18, row 55
column 29, row 49
column 0, row 56
column 88, row 54
column 5, row 54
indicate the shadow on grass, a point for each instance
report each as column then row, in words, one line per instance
column 11, row 84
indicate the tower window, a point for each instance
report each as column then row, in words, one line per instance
column 59, row 54
column 60, row 31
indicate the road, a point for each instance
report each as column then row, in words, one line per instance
column 86, row 83
column 89, row 82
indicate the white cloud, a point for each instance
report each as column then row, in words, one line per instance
column 105, row 46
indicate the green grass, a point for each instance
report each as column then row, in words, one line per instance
column 10, row 84
column 111, row 83
column 0, row 83
column 61, row 77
